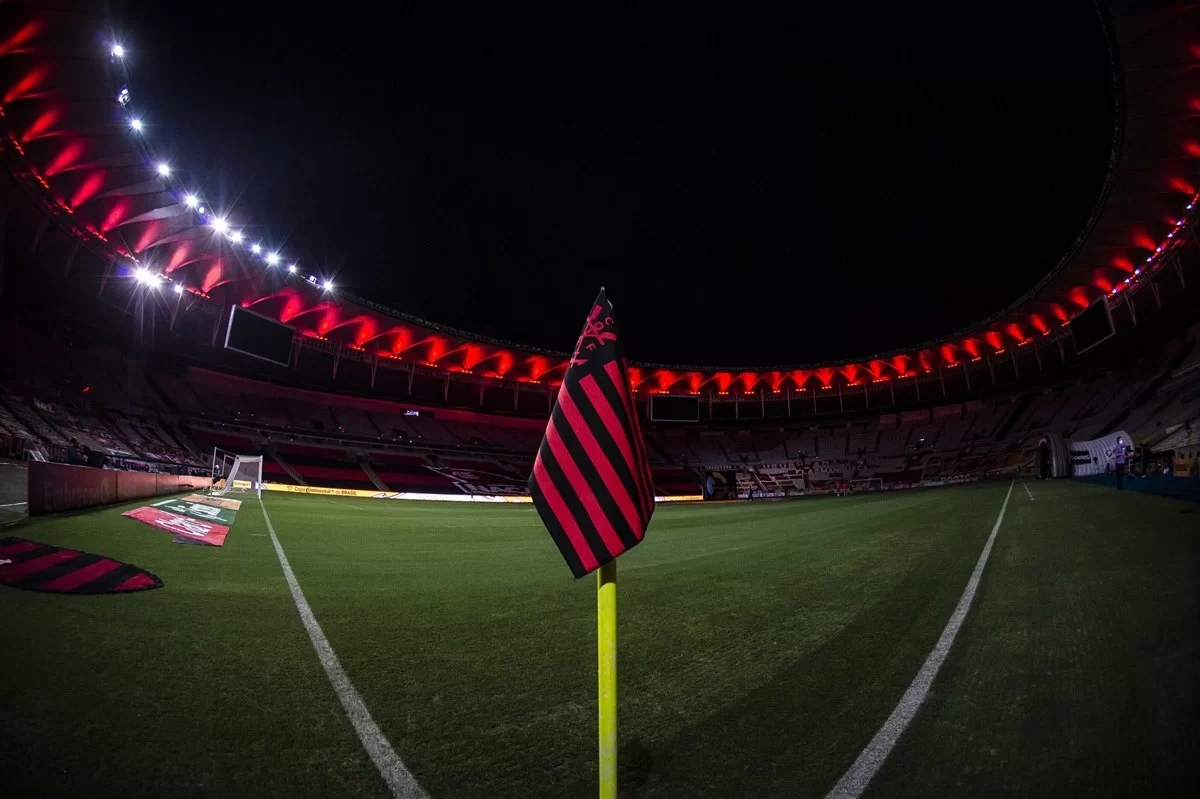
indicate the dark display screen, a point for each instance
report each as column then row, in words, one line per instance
column 259, row 336
column 1092, row 326
column 674, row 409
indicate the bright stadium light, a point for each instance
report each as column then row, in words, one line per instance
column 164, row 169
column 328, row 285
column 178, row 288
column 292, row 269
column 118, row 51
column 220, row 225
column 236, row 237
column 146, row 277
column 256, row 248
column 191, row 201
column 272, row 259
column 136, row 124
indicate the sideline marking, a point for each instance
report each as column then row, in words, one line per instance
column 398, row 778
column 12, row 504
column 1027, row 491
column 859, row 775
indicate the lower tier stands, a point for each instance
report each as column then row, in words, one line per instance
column 98, row 401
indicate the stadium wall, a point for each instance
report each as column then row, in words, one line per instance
column 55, row 487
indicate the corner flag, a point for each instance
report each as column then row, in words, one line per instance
column 590, row 482
column 591, row 486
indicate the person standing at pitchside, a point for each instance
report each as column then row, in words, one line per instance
column 1118, row 456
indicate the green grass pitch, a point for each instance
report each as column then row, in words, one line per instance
column 761, row 646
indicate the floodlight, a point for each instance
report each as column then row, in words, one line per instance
column 164, row 169
column 136, row 124
column 292, row 269
column 256, row 248
column 272, row 259
column 220, row 225
column 118, row 51
column 191, row 201
column 236, row 237
column 328, row 285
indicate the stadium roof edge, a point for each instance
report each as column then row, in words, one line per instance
column 152, row 228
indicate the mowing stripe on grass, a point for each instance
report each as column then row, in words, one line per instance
column 859, row 775
column 398, row 778
column 1027, row 491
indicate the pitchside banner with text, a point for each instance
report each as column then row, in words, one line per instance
column 203, row 519
column 481, row 481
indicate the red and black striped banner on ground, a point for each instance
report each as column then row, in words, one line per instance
column 590, row 482
column 41, row 567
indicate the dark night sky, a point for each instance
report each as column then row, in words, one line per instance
column 752, row 189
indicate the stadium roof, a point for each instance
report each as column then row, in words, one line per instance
column 73, row 134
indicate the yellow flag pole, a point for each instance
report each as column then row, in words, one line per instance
column 606, row 629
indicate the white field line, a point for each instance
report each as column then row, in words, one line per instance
column 859, row 775
column 12, row 504
column 398, row 778
column 1027, row 491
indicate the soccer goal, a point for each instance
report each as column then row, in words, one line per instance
column 866, row 484
column 233, row 473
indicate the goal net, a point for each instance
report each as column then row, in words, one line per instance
column 232, row 473
column 866, row 484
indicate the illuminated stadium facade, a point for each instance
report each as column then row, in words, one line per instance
column 95, row 203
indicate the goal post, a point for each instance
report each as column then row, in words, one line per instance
column 222, row 465
column 234, row 473
column 865, row 484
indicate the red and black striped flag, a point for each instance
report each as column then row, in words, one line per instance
column 590, row 482
column 42, row 567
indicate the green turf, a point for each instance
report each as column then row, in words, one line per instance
column 761, row 647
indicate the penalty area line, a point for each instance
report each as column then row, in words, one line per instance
column 1027, row 491
column 869, row 761
column 399, row 779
